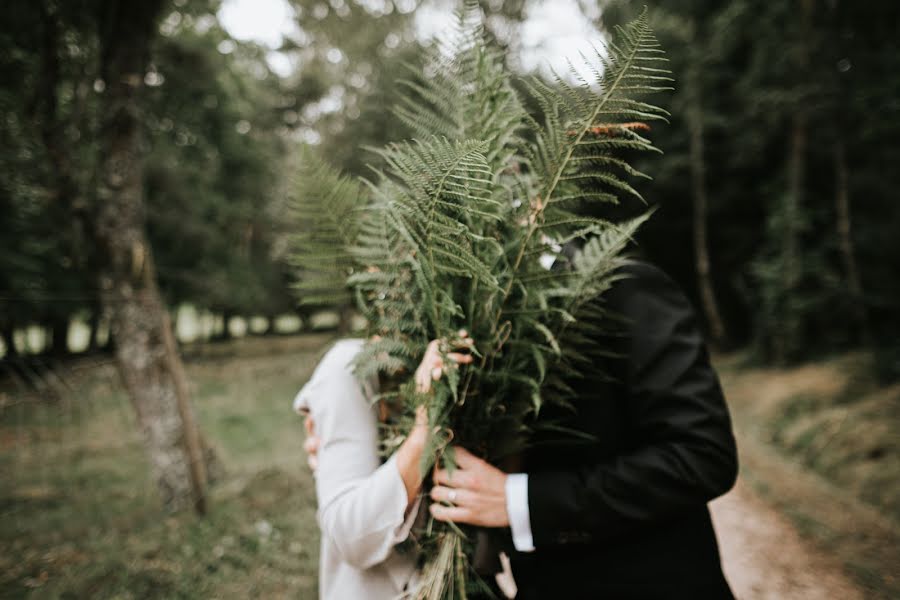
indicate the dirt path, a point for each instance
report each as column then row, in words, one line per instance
column 766, row 559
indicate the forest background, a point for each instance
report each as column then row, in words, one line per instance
column 148, row 158
column 773, row 192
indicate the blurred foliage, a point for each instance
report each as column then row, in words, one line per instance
column 757, row 66
column 783, row 90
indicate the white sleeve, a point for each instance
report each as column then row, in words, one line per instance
column 362, row 504
column 517, row 510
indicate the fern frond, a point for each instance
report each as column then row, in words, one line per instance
column 464, row 92
column 568, row 156
column 440, row 187
column 323, row 205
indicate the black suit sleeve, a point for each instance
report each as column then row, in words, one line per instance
column 684, row 453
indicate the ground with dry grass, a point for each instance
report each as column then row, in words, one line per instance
column 819, row 449
column 814, row 515
column 79, row 515
column 765, row 558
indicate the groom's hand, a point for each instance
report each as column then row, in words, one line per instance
column 475, row 494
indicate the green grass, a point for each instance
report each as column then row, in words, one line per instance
column 79, row 513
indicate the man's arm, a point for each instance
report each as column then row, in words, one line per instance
column 685, row 455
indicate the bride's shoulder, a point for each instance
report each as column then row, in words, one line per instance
column 332, row 377
column 340, row 356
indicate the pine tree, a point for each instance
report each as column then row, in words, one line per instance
column 457, row 226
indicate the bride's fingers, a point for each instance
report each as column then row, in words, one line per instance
column 311, row 447
column 462, row 343
column 422, row 383
column 424, row 374
column 433, row 365
column 460, row 358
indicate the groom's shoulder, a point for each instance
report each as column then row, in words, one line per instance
column 639, row 281
column 648, row 304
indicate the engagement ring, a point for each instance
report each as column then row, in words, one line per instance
column 452, row 496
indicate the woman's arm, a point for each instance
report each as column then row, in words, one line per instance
column 362, row 503
column 363, row 507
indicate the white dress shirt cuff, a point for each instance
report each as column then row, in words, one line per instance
column 517, row 510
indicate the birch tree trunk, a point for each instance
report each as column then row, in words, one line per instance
column 145, row 352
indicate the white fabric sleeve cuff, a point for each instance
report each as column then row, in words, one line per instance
column 517, row 510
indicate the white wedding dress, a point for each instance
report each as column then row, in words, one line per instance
column 362, row 502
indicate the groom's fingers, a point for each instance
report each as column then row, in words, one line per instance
column 459, row 479
column 465, row 459
column 454, row 496
column 455, row 514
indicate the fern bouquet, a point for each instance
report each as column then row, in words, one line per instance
column 457, row 231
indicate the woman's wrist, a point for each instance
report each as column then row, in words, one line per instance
column 409, row 460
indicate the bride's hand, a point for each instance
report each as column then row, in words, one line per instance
column 433, row 364
column 311, row 444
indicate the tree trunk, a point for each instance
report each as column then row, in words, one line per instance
column 59, row 336
column 225, row 334
column 788, row 326
column 147, row 359
column 787, row 338
column 701, row 206
column 9, row 341
column 94, row 329
column 845, row 238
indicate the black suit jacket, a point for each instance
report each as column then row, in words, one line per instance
column 625, row 516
